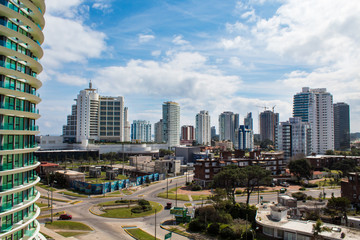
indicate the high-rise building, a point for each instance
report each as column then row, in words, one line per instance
column 245, row 138
column 171, row 123
column 126, row 126
column 228, row 124
column 213, row 132
column 269, row 122
column 141, row 131
column 187, row 133
column 96, row 117
column 202, row 128
column 248, row 121
column 294, row 138
column 341, row 126
column 315, row 106
column 20, row 39
column 158, row 131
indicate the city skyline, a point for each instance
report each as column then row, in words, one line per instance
column 218, row 56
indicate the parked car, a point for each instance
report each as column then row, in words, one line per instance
column 283, row 190
column 65, row 217
column 168, row 205
column 284, row 184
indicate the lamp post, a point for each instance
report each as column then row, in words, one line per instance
column 155, row 223
column 52, row 200
column 252, row 233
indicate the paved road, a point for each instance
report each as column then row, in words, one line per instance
column 110, row 228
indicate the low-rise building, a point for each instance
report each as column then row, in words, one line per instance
column 275, row 222
column 205, row 169
column 351, row 188
column 71, row 175
column 171, row 166
column 319, row 162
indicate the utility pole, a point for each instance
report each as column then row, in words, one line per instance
column 258, row 191
column 123, row 155
column 176, row 196
column 155, row 223
column 167, row 185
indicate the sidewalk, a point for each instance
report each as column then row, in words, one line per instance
column 53, row 234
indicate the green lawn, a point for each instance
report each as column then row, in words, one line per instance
column 55, row 215
column 45, row 186
column 178, row 231
column 39, row 204
column 55, row 199
column 199, row 197
column 70, row 234
column 139, row 234
column 180, row 197
column 102, row 178
column 68, row 225
column 125, row 212
column 119, row 203
column 74, row 194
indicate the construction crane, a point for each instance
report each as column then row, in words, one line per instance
column 273, row 108
column 265, row 107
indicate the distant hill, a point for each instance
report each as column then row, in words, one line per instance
column 354, row 136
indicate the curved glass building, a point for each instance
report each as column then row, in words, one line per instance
column 21, row 24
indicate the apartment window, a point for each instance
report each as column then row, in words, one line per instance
column 207, row 176
column 207, row 170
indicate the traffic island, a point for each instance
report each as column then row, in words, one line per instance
column 68, row 228
column 138, row 233
column 126, row 208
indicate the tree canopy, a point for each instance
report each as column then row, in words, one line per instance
column 228, row 178
column 301, row 168
column 339, row 205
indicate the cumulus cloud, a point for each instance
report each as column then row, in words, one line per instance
column 183, row 74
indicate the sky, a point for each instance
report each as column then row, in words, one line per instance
column 212, row 55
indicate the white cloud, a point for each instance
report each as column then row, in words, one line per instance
column 236, row 27
column 235, row 61
column 156, row 53
column 70, row 41
column 183, row 74
column 238, row 42
column 178, row 40
column 71, row 79
column 143, row 38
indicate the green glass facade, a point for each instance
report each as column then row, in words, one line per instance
column 21, row 24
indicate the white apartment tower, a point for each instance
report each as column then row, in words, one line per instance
column 315, row 106
column 96, row 118
column 171, row 123
column 203, row 128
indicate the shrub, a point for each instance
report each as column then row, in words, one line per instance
column 196, row 187
column 143, row 202
column 311, row 185
column 238, row 191
column 302, row 189
column 227, row 233
column 196, row 226
column 213, row 229
column 299, row 196
column 137, row 209
column 309, row 198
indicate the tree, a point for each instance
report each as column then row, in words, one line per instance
column 319, row 228
column 228, row 178
column 346, row 165
column 329, row 152
column 338, row 205
column 301, row 169
column 252, row 177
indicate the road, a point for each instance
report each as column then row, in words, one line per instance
column 110, row 228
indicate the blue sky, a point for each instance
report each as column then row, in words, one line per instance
column 207, row 55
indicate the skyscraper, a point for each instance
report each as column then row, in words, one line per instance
column 341, row 126
column 228, row 123
column 202, row 129
column 245, row 138
column 96, row 117
column 171, row 123
column 294, row 138
column 315, row 106
column 269, row 122
column 187, row 133
column 213, row 132
column 141, row 131
column 248, row 121
column 158, row 131
column 20, row 38
column 126, row 126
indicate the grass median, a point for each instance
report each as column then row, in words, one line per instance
column 125, row 211
column 180, row 197
column 68, row 225
column 140, row 234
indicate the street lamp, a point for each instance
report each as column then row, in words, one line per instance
column 52, row 200
column 252, row 233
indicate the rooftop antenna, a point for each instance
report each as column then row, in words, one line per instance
column 90, row 84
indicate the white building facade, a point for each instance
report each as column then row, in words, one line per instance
column 141, row 131
column 203, row 128
column 171, row 123
column 315, row 106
